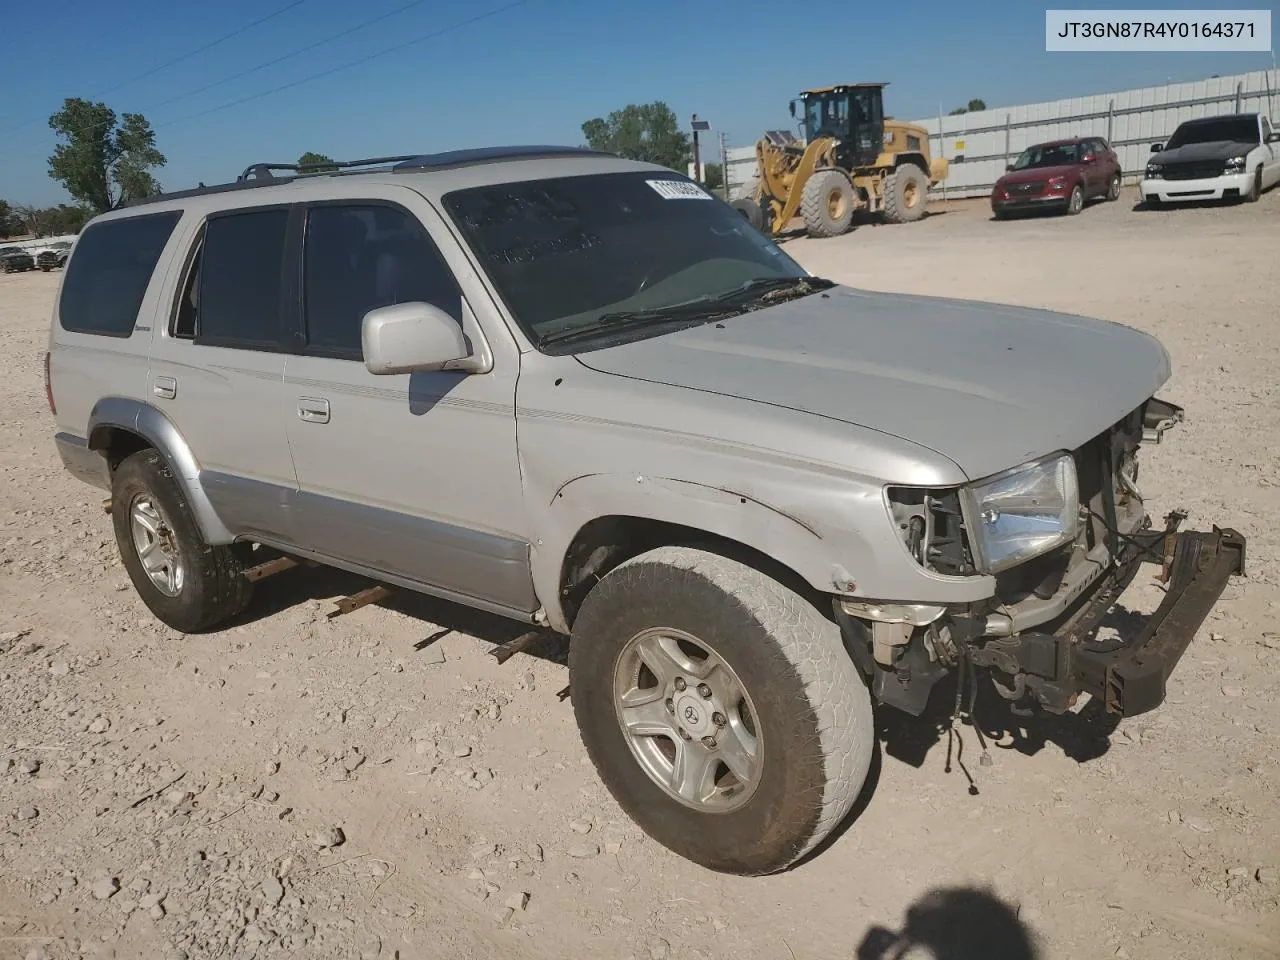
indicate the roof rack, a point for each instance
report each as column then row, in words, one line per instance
column 264, row 174
column 263, row 171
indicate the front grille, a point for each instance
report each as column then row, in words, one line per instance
column 1200, row 170
column 1026, row 189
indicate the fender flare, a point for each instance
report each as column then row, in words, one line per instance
column 720, row 510
column 145, row 421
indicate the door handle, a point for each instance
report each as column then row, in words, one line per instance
column 166, row 388
column 313, row 410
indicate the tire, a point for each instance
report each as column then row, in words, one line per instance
column 827, row 203
column 750, row 210
column 1075, row 202
column 1113, row 189
column 905, row 194
column 1255, row 188
column 747, row 191
column 811, row 711
column 209, row 586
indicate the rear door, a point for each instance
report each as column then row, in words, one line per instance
column 217, row 366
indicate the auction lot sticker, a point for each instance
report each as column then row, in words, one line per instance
column 678, row 190
column 1224, row 31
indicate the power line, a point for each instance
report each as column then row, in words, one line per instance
column 301, row 50
column 323, row 73
column 395, row 48
column 208, row 46
column 186, row 56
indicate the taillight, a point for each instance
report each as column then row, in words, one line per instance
column 48, row 386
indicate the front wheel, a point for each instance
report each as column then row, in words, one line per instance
column 827, row 204
column 1075, row 202
column 720, row 709
column 186, row 583
column 1113, row 188
column 1255, row 188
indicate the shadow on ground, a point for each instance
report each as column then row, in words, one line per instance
column 953, row 923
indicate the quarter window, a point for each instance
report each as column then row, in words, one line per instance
column 110, row 273
column 234, row 297
column 360, row 257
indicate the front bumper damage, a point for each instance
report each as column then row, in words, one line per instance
column 1128, row 675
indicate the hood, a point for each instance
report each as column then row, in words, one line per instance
column 1214, row 150
column 985, row 385
column 1036, row 174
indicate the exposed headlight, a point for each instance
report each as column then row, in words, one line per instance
column 1057, row 183
column 1022, row 513
column 1235, row 165
column 1154, row 171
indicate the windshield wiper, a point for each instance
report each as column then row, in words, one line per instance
column 622, row 320
column 773, row 289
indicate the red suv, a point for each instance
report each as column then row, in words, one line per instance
column 1060, row 175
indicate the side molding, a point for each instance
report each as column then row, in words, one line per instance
column 153, row 426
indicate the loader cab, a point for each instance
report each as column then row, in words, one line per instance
column 852, row 114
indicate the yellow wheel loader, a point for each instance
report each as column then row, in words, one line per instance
column 852, row 158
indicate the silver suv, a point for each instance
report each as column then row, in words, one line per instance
column 581, row 392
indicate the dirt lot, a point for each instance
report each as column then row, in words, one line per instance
column 167, row 797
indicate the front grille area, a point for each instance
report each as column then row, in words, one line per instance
column 1200, row 170
column 1026, row 189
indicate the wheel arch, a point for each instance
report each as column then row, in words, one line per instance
column 911, row 158
column 648, row 512
column 121, row 426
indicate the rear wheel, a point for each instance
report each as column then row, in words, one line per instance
column 905, row 194
column 186, row 583
column 719, row 708
column 827, row 203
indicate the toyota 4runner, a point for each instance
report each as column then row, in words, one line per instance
column 580, row 392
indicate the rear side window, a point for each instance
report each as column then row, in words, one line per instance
column 362, row 256
column 239, row 273
column 110, row 272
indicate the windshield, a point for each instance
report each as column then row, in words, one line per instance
column 564, row 253
column 1048, row 155
column 827, row 116
column 1237, row 129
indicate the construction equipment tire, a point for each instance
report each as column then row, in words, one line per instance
column 905, row 194
column 827, row 204
column 750, row 210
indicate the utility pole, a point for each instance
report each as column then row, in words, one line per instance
column 698, row 125
column 725, row 164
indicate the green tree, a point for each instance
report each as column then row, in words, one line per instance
column 317, row 161
column 973, row 106
column 648, row 132
column 9, row 223
column 104, row 160
column 712, row 176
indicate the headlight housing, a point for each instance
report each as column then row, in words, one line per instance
column 1057, row 183
column 1235, row 165
column 1022, row 513
column 1155, row 171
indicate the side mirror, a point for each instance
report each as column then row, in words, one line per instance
column 1088, row 158
column 792, row 107
column 1008, row 168
column 1157, row 147
column 409, row 337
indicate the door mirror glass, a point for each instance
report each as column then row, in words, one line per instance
column 792, row 105
column 1157, row 147
column 1008, row 167
column 411, row 337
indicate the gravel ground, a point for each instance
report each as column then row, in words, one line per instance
column 377, row 786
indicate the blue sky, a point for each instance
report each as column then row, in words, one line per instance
column 532, row 72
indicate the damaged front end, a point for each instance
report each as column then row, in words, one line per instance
column 1062, row 538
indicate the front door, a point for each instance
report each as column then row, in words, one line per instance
column 412, row 476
